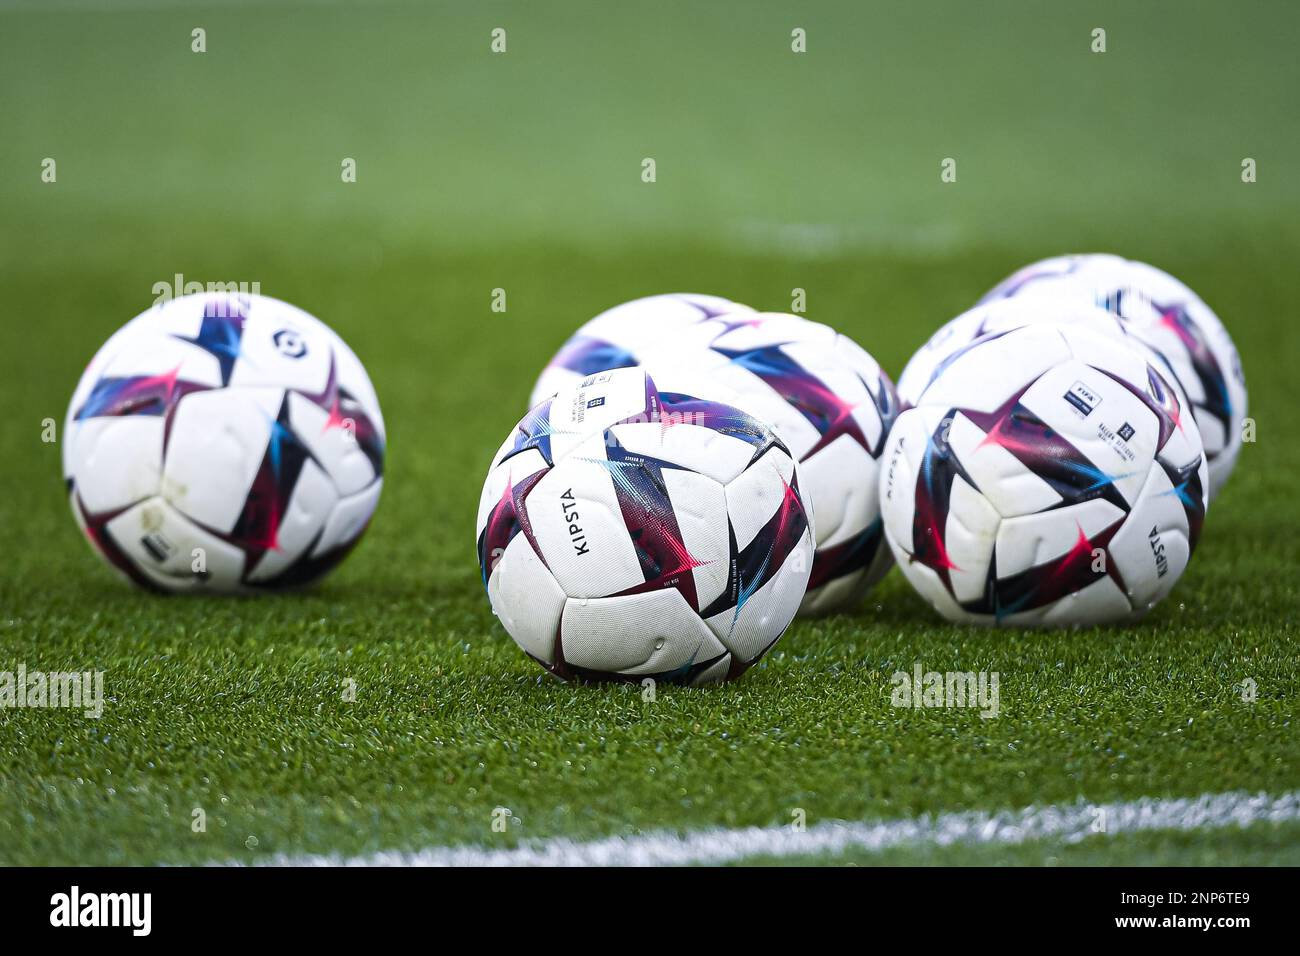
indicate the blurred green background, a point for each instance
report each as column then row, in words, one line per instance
column 227, row 163
column 522, row 171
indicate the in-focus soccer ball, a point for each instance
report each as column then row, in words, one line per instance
column 831, row 405
column 630, row 531
column 1171, row 319
column 618, row 337
column 997, row 317
column 1047, row 476
column 224, row 443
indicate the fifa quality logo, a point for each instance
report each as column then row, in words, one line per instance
column 1082, row 398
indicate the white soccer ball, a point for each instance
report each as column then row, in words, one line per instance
column 619, row 337
column 223, row 443
column 831, row 405
column 997, row 317
column 1172, row 320
column 1047, row 476
column 628, row 530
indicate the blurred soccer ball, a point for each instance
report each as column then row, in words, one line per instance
column 620, row 337
column 629, row 531
column 831, row 405
column 1171, row 319
column 224, row 443
column 1048, row 476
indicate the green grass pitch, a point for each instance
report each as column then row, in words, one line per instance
column 522, row 171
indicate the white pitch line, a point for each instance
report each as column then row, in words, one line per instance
column 1068, row 824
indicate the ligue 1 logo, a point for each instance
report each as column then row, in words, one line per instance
column 289, row 344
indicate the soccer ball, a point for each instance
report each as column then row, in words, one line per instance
column 618, row 337
column 1047, row 476
column 628, row 530
column 1171, row 319
column 831, row 405
column 223, row 443
column 997, row 317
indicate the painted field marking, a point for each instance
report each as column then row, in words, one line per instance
column 1069, row 823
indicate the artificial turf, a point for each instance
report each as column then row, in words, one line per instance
column 521, row 171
